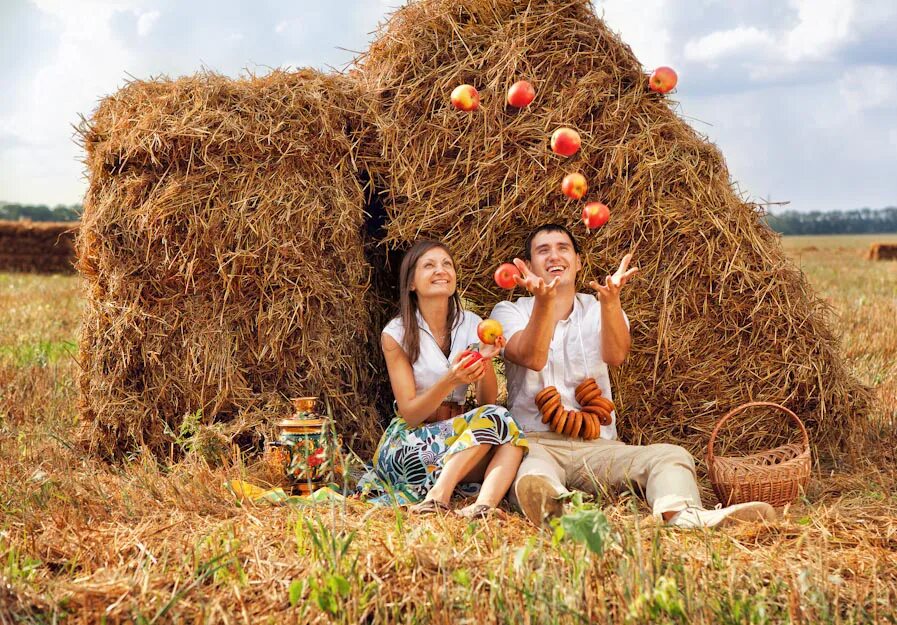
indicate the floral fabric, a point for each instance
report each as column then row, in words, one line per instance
column 408, row 460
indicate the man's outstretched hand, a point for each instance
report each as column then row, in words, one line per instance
column 610, row 290
column 533, row 283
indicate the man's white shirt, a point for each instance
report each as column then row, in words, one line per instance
column 574, row 355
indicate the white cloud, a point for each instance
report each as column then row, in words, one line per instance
column 868, row 88
column 642, row 25
column 823, row 26
column 146, row 21
column 722, row 44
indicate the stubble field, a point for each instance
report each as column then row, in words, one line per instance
column 83, row 541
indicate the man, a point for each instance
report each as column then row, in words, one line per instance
column 558, row 337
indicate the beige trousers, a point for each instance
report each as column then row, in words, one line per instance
column 665, row 473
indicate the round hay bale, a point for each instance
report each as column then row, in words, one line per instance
column 222, row 244
column 719, row 315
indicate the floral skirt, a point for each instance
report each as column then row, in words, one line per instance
column 408, row 460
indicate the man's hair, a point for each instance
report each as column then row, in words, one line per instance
column 528, row 244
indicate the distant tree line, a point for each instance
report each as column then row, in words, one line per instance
column 859, row 221
column 40, row 212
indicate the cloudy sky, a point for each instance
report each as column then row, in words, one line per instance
column 800, row 95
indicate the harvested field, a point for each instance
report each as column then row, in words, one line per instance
column 84, row 541
column 39, row 247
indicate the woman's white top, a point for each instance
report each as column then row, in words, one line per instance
column 432, row 364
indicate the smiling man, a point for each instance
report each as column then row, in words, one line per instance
column 558, row 337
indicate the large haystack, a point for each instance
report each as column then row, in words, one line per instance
column 222, row 245
column 40, row 247
column 719, row 315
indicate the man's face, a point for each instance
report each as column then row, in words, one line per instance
column 552, row 256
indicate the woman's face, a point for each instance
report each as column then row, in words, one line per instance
column 434, row 274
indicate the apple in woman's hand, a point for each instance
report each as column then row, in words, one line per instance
column 471, row 357
column 489, row 330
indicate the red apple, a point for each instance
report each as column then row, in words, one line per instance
column 470, row 356
column 504, row 275
column 521, row 94
column 574, row 186
column 466, row 98
column 565, row 141
column 489, row 330
column 595, row 215
column 663, row 80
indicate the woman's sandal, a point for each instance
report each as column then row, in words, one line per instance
column 429, row 506
column 476, row 511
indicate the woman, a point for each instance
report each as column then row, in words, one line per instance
column 432, row 445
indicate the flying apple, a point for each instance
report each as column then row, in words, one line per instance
column 466, row 98
column 565, row 141
column 504, row 275
column 521, row 94
column 574, row 186
column 663, row 80
column 488, row 331
column 595, row 215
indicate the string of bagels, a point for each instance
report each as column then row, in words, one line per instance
column 584, row 423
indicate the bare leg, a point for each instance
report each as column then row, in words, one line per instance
column 455, row 470
column 500, row 474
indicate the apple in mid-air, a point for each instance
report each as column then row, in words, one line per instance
column 521, row 94
column 663, row 80
column 465, row 98
column 504, row 275
column 595, row 215
column 565, row 141
column 574, row 186
column 488, row 331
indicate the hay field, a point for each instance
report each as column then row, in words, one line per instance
column 81, row 541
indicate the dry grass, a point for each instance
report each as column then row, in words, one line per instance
column 83, row 541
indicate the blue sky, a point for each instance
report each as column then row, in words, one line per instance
column 800, row 95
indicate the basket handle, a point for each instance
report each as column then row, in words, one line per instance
column 744, row 407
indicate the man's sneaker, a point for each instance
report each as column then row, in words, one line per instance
column 692, row 518
column 538, row 499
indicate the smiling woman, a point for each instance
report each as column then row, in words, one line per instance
column 433, row 444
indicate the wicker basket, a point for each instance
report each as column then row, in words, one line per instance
column 775, row 476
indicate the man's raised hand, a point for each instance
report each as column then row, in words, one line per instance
column 614, row 284
column 533, row 283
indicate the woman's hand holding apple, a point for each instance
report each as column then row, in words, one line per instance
column 491, row 351
column 463, row 372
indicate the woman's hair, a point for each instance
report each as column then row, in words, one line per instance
column 408, row 298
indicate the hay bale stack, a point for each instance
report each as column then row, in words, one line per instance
column 719, row 315
column 39, row 247
column 222, row 246
column 882, row 251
